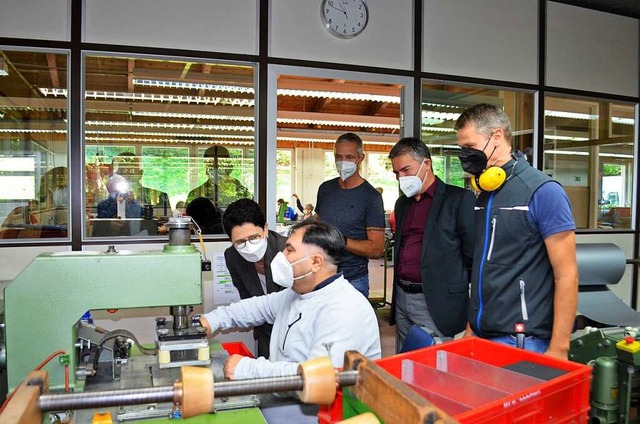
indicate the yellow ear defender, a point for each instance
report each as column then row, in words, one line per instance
column 491, row 179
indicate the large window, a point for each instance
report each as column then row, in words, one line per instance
column 313, row 112
column 588, row 147
column 34, row 196
column 163, row 138
column 443, row 103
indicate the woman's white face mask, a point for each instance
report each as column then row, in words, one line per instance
column 253, row 252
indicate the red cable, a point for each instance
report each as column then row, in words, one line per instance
column 38, row 368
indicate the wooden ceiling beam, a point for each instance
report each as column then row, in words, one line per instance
column 375, row 108
column 185, row 70
column 331, row 136
column 318, row 116
column 53, row 70
column 206, row 69
column 131, row 64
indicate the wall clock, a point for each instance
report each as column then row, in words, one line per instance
column 345, row 18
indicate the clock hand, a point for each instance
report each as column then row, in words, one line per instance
column 344, row 10
column 339, row 10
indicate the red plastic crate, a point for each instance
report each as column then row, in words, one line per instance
column 236, row 348
column 562, row 399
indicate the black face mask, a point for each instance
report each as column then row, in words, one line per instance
column 474, row 161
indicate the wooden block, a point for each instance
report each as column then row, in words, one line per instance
column 391, row 399
column 23, row 406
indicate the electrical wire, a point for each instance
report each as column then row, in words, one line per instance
column 38, row 368
column 198, row 232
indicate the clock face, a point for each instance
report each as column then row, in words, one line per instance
column 345, row 18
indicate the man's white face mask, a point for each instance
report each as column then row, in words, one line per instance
column 411, row 185
column 282, row 270
column 346, row 169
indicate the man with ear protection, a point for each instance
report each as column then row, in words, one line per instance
column 524, row 282
column 317, row 314
column 434, row 247
column 352, row 204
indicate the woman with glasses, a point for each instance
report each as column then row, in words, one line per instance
column 253, row 247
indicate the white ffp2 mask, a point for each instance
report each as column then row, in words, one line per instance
column 411, row 185
column 282, row 270
column 253, row 252
column 346, row 169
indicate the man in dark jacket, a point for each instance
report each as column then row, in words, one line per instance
column 249, row 258
column 434, row 246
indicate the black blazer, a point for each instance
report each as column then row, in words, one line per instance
column 447, row 253
column 245, row 277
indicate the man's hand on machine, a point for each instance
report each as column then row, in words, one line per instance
column 206, row 325
column 230, row 365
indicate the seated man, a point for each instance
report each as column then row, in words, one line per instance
column 319, row 313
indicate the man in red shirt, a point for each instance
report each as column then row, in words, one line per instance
column 434, row 246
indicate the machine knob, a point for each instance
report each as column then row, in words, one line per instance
column 160, row 321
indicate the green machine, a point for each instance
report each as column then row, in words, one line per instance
column 47, row 313
column 44, row 304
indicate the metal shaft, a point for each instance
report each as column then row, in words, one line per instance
column 101, row 399
column 104, row 398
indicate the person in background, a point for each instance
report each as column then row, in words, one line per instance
column 253, row 247
column 220, row 187
column 352, row 204
column 289, row 214
column 307, row 209
column 434, row 247
column 129, row 166
column 206, row 215
column 317, row 314
column 524, row 282
column 121, row 202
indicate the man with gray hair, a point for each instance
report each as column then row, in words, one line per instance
column 317, row 314
column 434, row 246
column 524, row 282
column 352, row 204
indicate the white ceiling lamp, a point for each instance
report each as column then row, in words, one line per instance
column 192, row 85
column 338, row 123
column 569, row 115
column 169, row 125
column 339, row 95
column 193, row 116
column 149, row 97
column 565, row 138
column 226, row 140
column 440, row 116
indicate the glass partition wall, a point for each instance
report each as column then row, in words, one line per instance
column 165, row 137
column 589, row 148
column 162, row 134
column 442, row 104
column 34, row 196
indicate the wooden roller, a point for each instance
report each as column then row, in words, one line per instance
column 319, row 381
column 197, row 391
